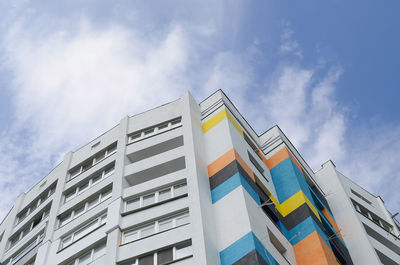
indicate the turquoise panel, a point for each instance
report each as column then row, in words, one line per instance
column 304, row 229
column 229, row 185
column 242, row 247
column 285, row 179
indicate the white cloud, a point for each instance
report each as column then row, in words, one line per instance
column 73, row 84
column 288, row 44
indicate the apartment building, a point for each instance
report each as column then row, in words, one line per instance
column 192, row 183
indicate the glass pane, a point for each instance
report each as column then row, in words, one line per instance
column 93, row 202
column 99, row 157
column 181, row 220
column 147, row 231
column 106, row 194
column 96, row 179
column 99, row 251
column 66, row 241
column 165, row 225
column 165, row 194
column 79, row 211
column 136, row 137
column 148, row 132
column 103, row 219
column 65, row 219
column 180, row 190
column 163, row 127
column 111, row 149
column 69, row 195
column 131, row 236
column 85, row 258
column 132, row 205
column 176, row 122
column 148, row 199
column 109, row 171
column 183, row 250
column 164, row 256
column 84, row 186
column 85, row 230
column 75, row 172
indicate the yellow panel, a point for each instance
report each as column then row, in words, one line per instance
column 234, row 123
column 291, row 204
column 217, row 118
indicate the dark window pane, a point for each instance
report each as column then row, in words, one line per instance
column 147, row 260
column 164, row 256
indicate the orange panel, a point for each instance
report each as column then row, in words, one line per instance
column 244, row 166
column 221, row 162
column 227, row 158
column 333, row 223
column 279, row 157
column 313, row 250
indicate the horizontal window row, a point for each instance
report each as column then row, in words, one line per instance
column 18, row 236
column 157, row 196
column 28, row 248
column 360, row 196
column 374, row 218
column 96, row 178
column 160, row 128
column 77, row 170
column 36, row 203
column 85, row 206
column 154, row 227
column 165, row 256
column 83, row 231
column 90, row 255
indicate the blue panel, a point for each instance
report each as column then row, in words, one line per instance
column 242, row 247
column 229, row 185
column 226, row 187
column 237, row 250
column 285, row 179
column 305, row 228
column 264, row 252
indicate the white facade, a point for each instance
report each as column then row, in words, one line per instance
column 369, row 230
column 141, row 193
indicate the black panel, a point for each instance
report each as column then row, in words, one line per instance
column 372, row 233
column 156, row 149
column 224, row 174
column 147, row 260
column 156, row 171
column 252, row 258
column 164, row 256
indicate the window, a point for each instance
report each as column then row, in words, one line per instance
column 157, row 196
column 164, row 256
column 183, row 250
column 156, row 227
column 85, row 206
column 148, row 199
column 143, row 134
column 90, row 255
column 133, row 204
column 27, row 228
column 36, row 203
column 28, row 248
column 96, row 178
column 360, row 196
column 77, row 170
column 81, row 232
column 259, row 168
column 374, row 218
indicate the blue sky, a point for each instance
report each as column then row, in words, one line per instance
column 325, row 71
